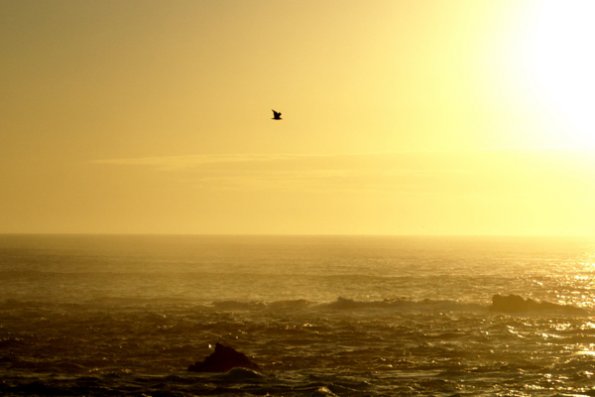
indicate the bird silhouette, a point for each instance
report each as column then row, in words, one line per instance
column 276, row 115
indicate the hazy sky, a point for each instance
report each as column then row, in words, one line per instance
column 399, row 117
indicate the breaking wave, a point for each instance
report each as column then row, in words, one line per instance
column 389, row 305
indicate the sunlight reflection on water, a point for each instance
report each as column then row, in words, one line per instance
column 383, row 316
column 587, row 352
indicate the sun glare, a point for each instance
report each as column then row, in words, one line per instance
column 560, row 67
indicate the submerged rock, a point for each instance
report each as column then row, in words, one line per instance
column 223, row 359
column 516, row 304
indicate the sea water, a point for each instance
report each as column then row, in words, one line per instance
column 321, row 316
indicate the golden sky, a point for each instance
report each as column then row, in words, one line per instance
column 399, row 117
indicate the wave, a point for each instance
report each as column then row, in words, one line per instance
column 347, row 304
column 401, row 304
column 518, row 304
column 281, row 305
column 342, row 304
column 510, row 305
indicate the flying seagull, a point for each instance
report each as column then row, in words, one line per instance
column 276, row 115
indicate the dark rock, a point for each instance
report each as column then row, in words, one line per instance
column 223, row 359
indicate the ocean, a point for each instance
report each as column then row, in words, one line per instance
column 321, row 315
